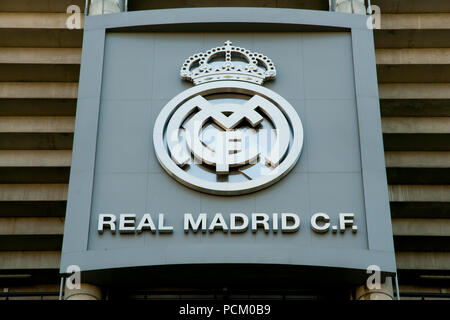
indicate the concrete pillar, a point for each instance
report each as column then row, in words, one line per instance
column 349, row 6
column 105, row 7
column 86, row 292
column 386, row 292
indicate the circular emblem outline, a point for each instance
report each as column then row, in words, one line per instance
column 227, row 188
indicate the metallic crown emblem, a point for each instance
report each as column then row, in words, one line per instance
column 228, row 63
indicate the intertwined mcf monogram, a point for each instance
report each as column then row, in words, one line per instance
column 228, row 150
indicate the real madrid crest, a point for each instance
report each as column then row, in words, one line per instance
column 228, row 135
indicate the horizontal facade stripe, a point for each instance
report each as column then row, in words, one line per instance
column 37, row 124
column 31, row 226
column 41, row 90
column 414, row 91
column 421, row 227
column 414, row 159
column 415, row 21
column 419, row 193
column 423, row 260
column 412, row 56
column 29, row 260
column 35, row 158
column 33, row 192
column 40, row 55
column 35, row 20
column 416, row 124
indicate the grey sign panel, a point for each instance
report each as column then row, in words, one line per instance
column 325, row 70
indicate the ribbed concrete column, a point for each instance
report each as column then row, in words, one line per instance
column 86, row 292
column 386, row 292
column 105, row 7
column 349, row 6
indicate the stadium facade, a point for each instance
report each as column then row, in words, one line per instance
column 238, row 150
